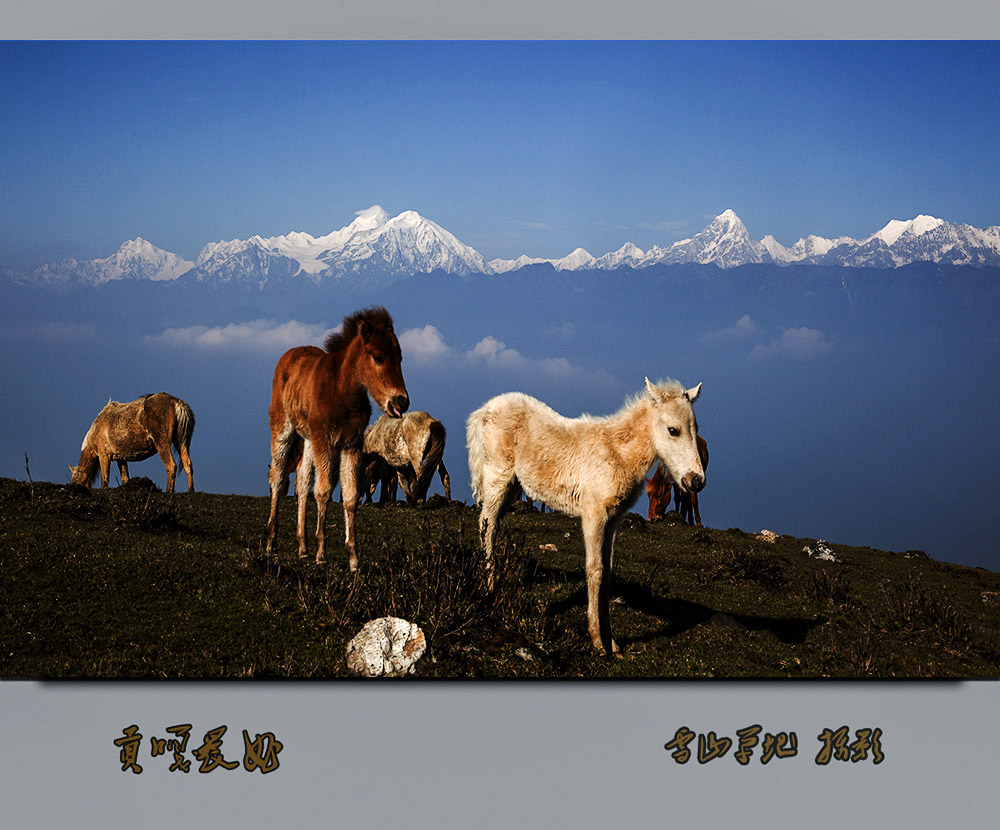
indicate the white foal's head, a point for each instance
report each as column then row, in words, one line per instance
column 674, row 430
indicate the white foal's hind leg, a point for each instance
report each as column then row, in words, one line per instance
column 496, row 496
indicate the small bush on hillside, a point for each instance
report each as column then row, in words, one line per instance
column 437, row 580
column 139, row 504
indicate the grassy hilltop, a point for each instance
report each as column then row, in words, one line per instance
column 133, row 583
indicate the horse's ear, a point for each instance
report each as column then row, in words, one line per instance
column 72, row 469
column 366, row 329
column 650, row 387
column 693, row 393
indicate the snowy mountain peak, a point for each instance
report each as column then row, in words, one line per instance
column 137, row 247
column 578, row 258
column 923, row 223
column 373, row 247
column 407, row 219
column 724, row 242
column 575, row 260
column 897, row 227
column 369, row 219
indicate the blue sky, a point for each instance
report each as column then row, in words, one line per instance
column 532, row 148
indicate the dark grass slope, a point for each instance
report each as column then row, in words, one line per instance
column 132, row 583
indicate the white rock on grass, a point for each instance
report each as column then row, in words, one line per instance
column 386, row 647
column 820, row 551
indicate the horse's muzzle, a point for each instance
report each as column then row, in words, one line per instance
column 693, row 482
column 397, row 405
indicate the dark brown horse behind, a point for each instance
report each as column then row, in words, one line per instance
column 135, row 431
column 320, row 399
column 686, row 504
column 658, row 490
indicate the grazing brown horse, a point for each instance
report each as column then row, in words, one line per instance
column 135, row 431
column 407, row 448
column 319, row 399
column 658, row 490
column 685, row 502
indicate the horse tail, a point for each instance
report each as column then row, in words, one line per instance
column 474, row 442
column 183, row 425
column 433, row 451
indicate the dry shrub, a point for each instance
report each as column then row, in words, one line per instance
column 139, row 504
column 911, row 609
column 437, row 581
column 765, row 571
column 826, row 589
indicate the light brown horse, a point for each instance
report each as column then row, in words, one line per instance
column 135, row 431
column 410, row 449
column 589, row 467
column 319, row 399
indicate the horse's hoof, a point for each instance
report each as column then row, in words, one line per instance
column 320, row 560
column 614, row 651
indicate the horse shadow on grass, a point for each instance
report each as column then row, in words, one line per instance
column 677, row 615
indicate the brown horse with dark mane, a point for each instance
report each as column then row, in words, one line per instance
column 319, row 399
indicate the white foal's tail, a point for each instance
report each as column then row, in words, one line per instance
column 474, row 442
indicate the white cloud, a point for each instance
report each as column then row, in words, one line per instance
column 424, row 345
column 494, row 352
column 744, row 327
column 265, row 335
column 802, row 343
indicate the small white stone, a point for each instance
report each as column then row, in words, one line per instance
column 820, row 551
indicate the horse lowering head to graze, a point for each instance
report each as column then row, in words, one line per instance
column 319, row 399
column 410, row 448
column 135, row 431
column 589, row 467
column 658, row 489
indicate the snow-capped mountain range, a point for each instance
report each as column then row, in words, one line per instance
column 380, row 248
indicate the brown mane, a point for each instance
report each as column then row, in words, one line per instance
column 376, row 316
